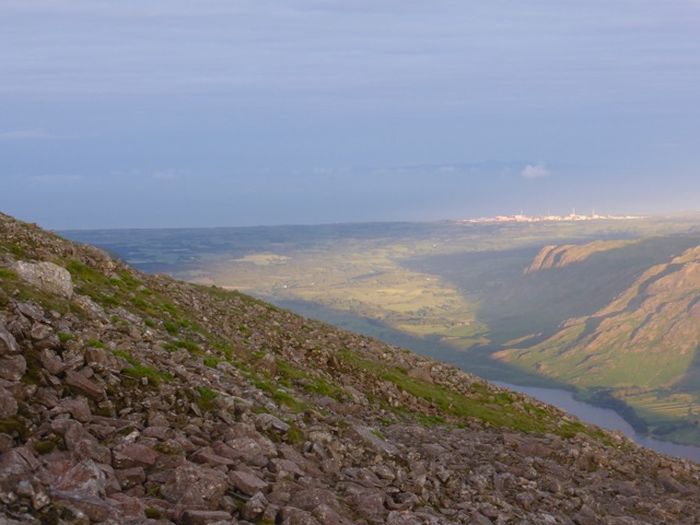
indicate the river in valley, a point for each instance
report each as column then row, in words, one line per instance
column 604, row 418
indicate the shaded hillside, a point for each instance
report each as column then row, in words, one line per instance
column 128, row 398
column 645, row 340
column 515, row 305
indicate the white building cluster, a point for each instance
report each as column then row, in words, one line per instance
column 572, row 217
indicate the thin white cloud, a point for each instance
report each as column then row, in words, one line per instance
column 55, row 179
column 167, row 174
column 23, row 134
column 535, row 171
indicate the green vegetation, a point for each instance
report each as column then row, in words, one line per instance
column 64, row 337
column 7, row 275
column 171, row 327
column 187, row 344
column 211, row 362
column 139, row 370
column 44, row 447
column 499, row 410
column 292, row 376
column 294, row 435
column 282, row 397
column 206, row 398
column 14, row 425
column 152, row 513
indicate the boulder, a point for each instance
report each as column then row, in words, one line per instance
column 12, row 367
column 194, row 486
column 8, row 343
column 134, row 455
column 84, row 385
column 46, row 276
column 372, row 438
column 96, row 509
column 85, row 477
column 247, row 483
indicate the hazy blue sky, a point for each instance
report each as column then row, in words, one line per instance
column 226, row 112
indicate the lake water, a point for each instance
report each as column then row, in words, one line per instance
column 604, row 418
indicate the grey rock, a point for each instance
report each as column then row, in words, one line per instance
column 78, row 408
column 31, row 311
column 85, row 477
column 89, row 306
column 294, row 516
column 134, row 455
column 369, row 504
column 53, row 364
column 8, row 404
column 40, row 331
column 403, row 518
column 84, row 385
column 246, row 482
column 96, row 509
column 309, row 499
column 255, row 507
column 327, row 515
column 46, row 276
column 130, row 477
column 192, row 486
column 369, row 436
column 8, row 343
column 270, row 422
column 12, row 367
column 204, row 517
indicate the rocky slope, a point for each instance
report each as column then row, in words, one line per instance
column 127, row 398
column 563, row 255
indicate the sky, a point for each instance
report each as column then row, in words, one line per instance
column 173, row 113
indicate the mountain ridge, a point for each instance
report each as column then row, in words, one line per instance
column 562, row 255
column 644, row 341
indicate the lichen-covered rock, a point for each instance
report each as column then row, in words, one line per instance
column 46, row 276
column 195, row 486
column 12, row 367
column 85, row 477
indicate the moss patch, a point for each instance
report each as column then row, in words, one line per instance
column 139, row 369
column 205, row 399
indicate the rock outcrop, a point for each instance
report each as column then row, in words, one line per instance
column 140, row 399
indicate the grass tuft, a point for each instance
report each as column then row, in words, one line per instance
column 139, row 370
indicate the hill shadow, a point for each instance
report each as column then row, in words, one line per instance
column 516, row 305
